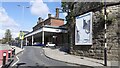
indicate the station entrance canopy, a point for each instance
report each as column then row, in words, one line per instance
column 51, row 29
column 45, row 34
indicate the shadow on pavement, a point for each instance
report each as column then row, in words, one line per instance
column 65, row 49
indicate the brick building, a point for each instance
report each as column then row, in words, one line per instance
column 49, row 30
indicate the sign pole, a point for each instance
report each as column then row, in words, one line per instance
column 105, row 48
column 21, row 43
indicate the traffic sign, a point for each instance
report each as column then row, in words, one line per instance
column 21, row 35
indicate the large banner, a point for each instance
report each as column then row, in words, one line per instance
column 83, row 29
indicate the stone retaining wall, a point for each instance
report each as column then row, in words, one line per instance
column 97, row 49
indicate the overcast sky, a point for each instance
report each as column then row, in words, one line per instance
column 14, row 18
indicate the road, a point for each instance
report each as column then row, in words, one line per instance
column 34, row 56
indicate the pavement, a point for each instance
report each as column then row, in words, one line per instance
column 17, row 49
column 56, row 54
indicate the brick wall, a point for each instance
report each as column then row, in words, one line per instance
column 50, row 21
column 56, row 22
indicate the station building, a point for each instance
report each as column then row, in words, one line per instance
column 50, row 30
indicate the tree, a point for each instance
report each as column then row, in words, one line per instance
column 8, row 36
column 0, row 41
column 68, row 7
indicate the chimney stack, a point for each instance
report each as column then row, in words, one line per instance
column 40, row 20
column 49, row 15
column 57, row 12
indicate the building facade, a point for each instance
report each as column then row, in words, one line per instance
column 49, row 30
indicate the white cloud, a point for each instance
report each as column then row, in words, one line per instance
column 1, row 33
column 7, row 22
column 39, row 8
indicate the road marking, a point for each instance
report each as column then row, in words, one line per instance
column 0, row 66
column 18, row 58
column 16, row 61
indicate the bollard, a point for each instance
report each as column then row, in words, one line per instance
column 9, row 55
column 13, row 52
column 4, row 58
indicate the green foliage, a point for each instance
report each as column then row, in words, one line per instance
column 80, row 7
column 4, row 41
column 8, row 37
column 65, row 6
column 0, row 41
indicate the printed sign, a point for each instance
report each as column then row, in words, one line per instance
column 83, row 29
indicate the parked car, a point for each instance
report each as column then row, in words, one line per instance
column 50, row 44
column 38, row 44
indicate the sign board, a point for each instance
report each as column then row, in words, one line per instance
column 83, row 29
column 21, row 35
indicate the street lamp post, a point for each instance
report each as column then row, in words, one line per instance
column 23, row 9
